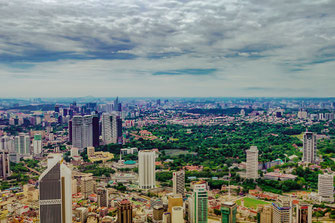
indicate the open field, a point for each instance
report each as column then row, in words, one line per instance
column 251, row 202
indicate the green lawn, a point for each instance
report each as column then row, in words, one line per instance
column 251, row 202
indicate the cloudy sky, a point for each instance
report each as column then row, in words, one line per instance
column 167, row 48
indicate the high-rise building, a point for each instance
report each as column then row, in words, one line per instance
column 70, row 131
column 55, row 194
column 304, row 213
column 252, row 163
column 124, row 211
column 96, row 130
column 265, row 214
column 7, row 144
column 22, row 144
column 178, row 179
column 111, row 129
column 102, row 197
column 177, row 214
column 158, row 211
column 117, row 106
column 174, row 200
column 4, row 165
column 146, row 169
column 282, row 210
column 326, row 187
column 228, row 212
column 167, row 217
column 309, row 151
column 77, row 126
column 82, row 131
column 37, row 144
column 198, row 204
column 87, row 186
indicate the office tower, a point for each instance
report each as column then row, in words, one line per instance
column 87, row 186
column 87, row 136
column 167, row 217
column 304, row 213
column 124, row 211
column 146, row 169
column 282, row 210
column 199, row 204
column 326, row 187
column 82, row 131
column 37, row 144
column 158, row 212
column 177, row 214
column 22, row 144
column 309, row 152
column 117, row 106
column 102, row 197
column 96, row 131
column 228, row 212
column 252, row 163
column 174, row 201
column 4, row 165
column 7, row 144
column 55, row 194
column 178, row 179
column 265, row 214
column 57, row 108
column 77, row 125
column 111, row 129
column 64, row 112
column 70, row 131
column 158, row 102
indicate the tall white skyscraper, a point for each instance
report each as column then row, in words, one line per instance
column 22, row 144
column 326, row 187
column 309, row 152
column 252, row 163
column 146, row 169
column 177, row 215
column 282, row 210
column 111, row 128
column 7, row 144
column 37, row 144
column 56, row 194
column 178, row 179
column 77, row 126
column 198, row 204
column 87, row 134
column 82, row 131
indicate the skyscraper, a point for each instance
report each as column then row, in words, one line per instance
column 96, row 132
column 22, row 144
column 178, row 179
column 252, row 163
column 117, row 106
column 309, row 152
column 4, row 165
column 82, row 131
column 146, row 169
column 102, row 197
column 70, row 131
column 265, row 214
column 77, row 125
column 304, row 213
column 111, row 129
column 326, row 187
column 177, row 214
column 124, row 211
column 174, row 200
column 198, row 204
column 228, row 212
column 7, row 144
column 37, row 144
column 282, row 210
column 55, row 194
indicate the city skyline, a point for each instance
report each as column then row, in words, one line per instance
column 167, row 48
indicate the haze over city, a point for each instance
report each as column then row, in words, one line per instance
column 167, row 48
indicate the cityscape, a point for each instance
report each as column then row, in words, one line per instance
column 167, row 160
column 167, row 111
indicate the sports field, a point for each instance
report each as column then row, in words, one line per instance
column 251, row 202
